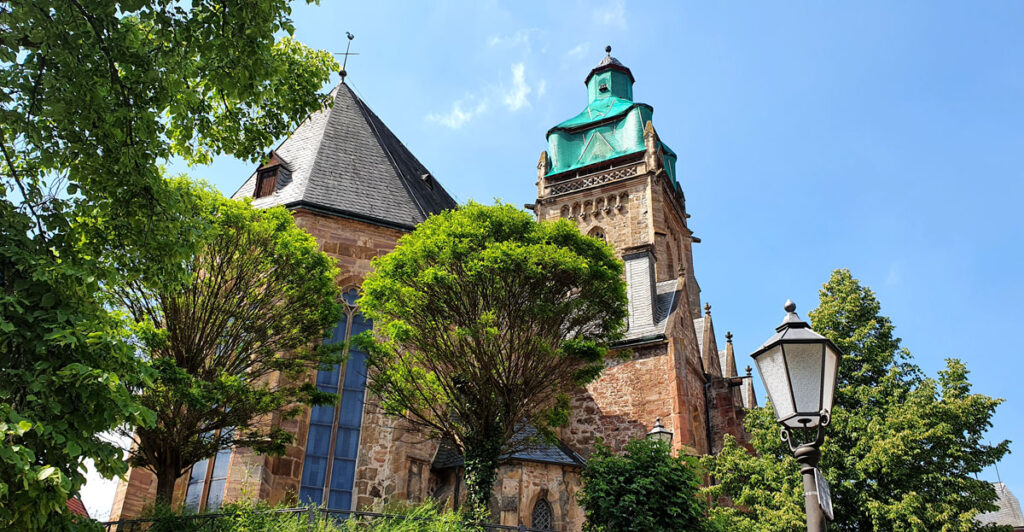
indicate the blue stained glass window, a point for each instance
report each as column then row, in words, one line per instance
column 334, row 430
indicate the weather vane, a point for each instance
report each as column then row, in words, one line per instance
column 346, row 54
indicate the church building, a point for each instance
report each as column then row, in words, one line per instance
column 353, row 185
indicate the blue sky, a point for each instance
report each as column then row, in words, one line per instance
column 887, row 138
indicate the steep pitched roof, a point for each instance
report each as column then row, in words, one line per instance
column 1009, row 512
column 344, row 160
column 666, row 301
column 543, row 452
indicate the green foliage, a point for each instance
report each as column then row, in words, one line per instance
column 645, row 489
column 901, row 451
column 261, row 517
column 488, row 320
column 229, row 341
column 94, row 96
column 423, row 517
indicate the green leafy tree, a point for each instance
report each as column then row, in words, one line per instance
column 94, row 96
column 902, row 448
column 486, row 321
column 228, row 345
column 645, row 489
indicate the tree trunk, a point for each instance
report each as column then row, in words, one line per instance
column 166, row 476
column 481, row 457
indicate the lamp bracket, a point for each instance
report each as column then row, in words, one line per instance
column 786, row 434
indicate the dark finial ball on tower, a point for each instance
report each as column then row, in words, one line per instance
column 608, row 49
column 790, row 306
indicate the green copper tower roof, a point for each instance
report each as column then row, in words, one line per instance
column 611, row 125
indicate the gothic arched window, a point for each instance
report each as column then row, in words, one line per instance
column 597, row 232
column 328, row 470
column 542, row 518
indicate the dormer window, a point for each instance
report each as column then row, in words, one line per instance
column 266, row 181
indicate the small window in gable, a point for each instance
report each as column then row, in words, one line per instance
column 266, row 181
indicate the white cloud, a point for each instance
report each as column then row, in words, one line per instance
column 613, row 14
column 541, row 88
column 460, row 114
column 579, row 50
column 516, row 98
column 519, row 38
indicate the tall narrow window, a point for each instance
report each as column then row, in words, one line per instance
column 266, row 181
column 542, row 517
column 207, row 481
column 332, row 446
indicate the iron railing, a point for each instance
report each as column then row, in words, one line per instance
column 211, row 522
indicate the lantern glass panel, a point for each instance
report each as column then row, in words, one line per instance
column 772, row 368
column 804, row 362
column 831, row 374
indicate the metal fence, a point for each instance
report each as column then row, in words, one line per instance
column 214, row 522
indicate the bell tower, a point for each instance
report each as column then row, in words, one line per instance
column 607, row 170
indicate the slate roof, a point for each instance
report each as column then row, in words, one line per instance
column 344, row 160
column 722, row 364
column 547, row 453
column 666, row 301
column 698, row 328
column 1009, row 512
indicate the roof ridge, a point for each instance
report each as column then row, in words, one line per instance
column 372, row 120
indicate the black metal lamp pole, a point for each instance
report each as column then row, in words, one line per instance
column 799, row 368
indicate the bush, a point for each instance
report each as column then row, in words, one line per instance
column 261, row 517
column 646, row 489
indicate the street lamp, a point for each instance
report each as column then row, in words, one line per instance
column 660, row 433
column 799, row 367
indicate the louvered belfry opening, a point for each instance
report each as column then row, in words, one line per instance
column 266, row 181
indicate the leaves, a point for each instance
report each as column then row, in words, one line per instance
column 95, row 96
column 227, row 334
column 644, row 489
column 486, row 321
column 901, row 451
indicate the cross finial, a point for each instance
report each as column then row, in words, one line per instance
column 748, row 371
column 707, row 308
column 728, row 337
column 344, row 64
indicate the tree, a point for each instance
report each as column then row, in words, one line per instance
column 900, row 452
column 94, row 96
column 486, row 320
column 228, row 346
column 644, row 489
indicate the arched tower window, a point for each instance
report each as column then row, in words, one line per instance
column 328, row 470
column 597, row 232
column 542, row 518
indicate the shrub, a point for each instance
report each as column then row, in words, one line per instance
column 646, row 489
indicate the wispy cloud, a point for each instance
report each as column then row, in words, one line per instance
column 516, row 98
column 895, row 276
column 461, row 113
column 520, row 38
column 612, row 14
column 518, row 94
column 578, row 51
